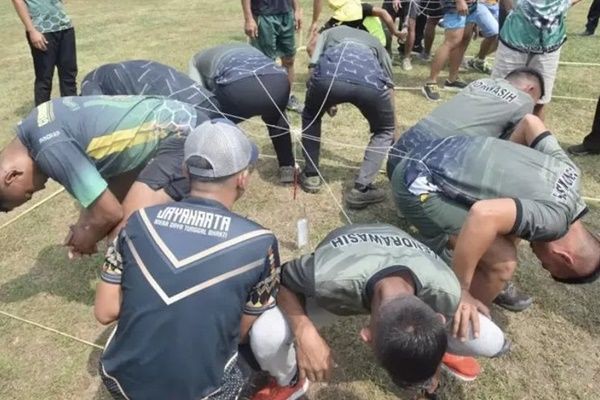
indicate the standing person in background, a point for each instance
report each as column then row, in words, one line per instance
column 271, row 27
column 532, row 36
column 592, row 19
column 51, row 37
column 591, row 143
column 458, row 15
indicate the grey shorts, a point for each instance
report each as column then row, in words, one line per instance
column 165, row 169
column 434, row 215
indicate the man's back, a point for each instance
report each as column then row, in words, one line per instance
column 487, row 107
column 80, row 141
column 351, row 259
column 143, row 77
column 190, row 270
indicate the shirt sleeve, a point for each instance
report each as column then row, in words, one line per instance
column 263, row 294
column 540, row 221
column 112, row 268
column 65, row 162
column 367, row 10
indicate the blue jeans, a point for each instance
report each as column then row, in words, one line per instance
column 482, row 16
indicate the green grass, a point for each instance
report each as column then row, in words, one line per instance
column 556, row 343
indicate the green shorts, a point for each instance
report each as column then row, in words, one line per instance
column 276, row 35
column 434, row 215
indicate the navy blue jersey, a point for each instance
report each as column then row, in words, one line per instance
column 231, row 62
column 190, row 270
column 144, row 77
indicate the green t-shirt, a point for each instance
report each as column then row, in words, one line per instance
column 48, row 15
column 342, row 272
column 536, row 26
column 81, row 141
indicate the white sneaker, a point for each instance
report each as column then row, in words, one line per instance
column 406, row 64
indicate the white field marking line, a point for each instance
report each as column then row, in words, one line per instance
column 46, row 328
column 30, row 209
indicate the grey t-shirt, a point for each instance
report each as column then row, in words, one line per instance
column 542, row 180
column 344, row 34
column 342, row 271
column 227, row 63
column 487, row 107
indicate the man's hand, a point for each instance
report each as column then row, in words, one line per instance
column 251, row 28
column 38, row 40
column 298, row 19
column 80, row 241
column 466, row 315
column 313, row 355
column 461, row 7
column 396, row 5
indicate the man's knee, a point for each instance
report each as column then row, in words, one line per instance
column 453, row 38
column 270, row 333
column 288, row 61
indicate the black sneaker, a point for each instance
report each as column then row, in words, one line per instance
column 457, row 84
column 511, row 299
column 580, row 150
column 432, row 91
column 359, row 199
column 587, row 33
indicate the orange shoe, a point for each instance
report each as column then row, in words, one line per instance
column 463, row 368
column 275, row 392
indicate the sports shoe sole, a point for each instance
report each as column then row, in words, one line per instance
column 458, row 376
column 426, row 96
column 515, row 307
column 359, row 205
column 301, row 392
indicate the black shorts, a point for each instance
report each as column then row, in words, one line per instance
column 165, row 169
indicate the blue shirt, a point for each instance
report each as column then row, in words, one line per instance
column 190, row 270
column 144, row 77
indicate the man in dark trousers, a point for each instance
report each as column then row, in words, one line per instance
column 592, row 19
column 591, row 143
column 145, row 77
column 173, row 260
column 350, row 66
column 247, row 84
column 51, row 37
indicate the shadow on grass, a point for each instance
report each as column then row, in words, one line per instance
column 55, row 274
column 93, row 364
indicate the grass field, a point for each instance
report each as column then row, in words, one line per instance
column 556, row 352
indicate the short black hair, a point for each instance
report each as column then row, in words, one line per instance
column 410, row 340
column 528, row 73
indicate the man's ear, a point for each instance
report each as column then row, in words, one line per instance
column 441, row 317
column 11, row 176
column 565, row 256
column 243, row 179
column 366, row 335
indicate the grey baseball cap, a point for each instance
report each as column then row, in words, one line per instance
column 218, row 148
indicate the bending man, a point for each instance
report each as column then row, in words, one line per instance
column 349, row 66
column 377, row 269
column 96, row 147
column 479, row 196
column 144, row 77
column 247, row 84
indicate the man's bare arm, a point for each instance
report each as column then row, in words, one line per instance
column 312, row 352
column 107, row 305
column 37, row 39
column 98, row 220
column 250, row 26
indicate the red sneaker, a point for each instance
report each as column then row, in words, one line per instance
column 275, row 392
column 463, row 368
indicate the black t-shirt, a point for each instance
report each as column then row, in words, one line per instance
column 270, row 7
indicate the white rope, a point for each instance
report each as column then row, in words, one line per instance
column 30, row 209
column 47, row 328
